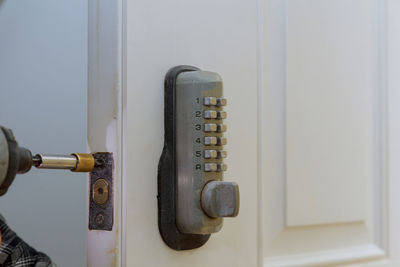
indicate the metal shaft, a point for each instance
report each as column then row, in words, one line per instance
column 55, row 161
column 77, row 162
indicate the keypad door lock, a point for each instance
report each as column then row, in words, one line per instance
column 192, row 196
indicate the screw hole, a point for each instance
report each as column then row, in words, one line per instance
column 100, row 191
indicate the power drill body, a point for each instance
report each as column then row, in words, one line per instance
column 13, row 159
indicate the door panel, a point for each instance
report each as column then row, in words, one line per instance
column 219, row 36
column 330, row 102
column 324, row 165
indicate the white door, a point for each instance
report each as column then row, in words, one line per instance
column 312, row 128
column 329, row 122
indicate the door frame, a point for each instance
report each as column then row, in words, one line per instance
column 105, row 120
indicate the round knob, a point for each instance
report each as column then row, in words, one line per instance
column 220, row 199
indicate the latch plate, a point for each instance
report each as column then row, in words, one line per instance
column 101, row 201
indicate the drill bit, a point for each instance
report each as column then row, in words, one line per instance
column 77, row 162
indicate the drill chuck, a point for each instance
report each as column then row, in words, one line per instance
column 13, row 159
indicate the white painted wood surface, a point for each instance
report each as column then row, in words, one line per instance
column 218, row 36
column 105, row 118
column 312, row 88
column 327, row 155
column 393, row 111
column 330, row 101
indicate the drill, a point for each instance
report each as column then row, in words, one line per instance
column 18, row 160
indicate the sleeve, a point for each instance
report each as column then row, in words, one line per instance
column 15, row 252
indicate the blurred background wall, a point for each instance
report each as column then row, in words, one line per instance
column 43, row 78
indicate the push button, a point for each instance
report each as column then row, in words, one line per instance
column 210, row 127
column 210, row 114
column 221, row 115
column 221, row 128
column 221, row 102
column 210, row 167
column 210, row 140
column 215, row 167
column 221, row 141
column 221, row 167
column 221, row 154
column 210, row 101
column 210, row 154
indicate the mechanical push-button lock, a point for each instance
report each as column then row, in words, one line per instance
column 192, row 196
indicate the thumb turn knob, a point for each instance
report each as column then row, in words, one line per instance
column 220, row 199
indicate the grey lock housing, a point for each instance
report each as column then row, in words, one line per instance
column 192, row 196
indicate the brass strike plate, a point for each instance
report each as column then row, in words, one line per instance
column 101, row 193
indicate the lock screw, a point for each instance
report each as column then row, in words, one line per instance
column 100, row 218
